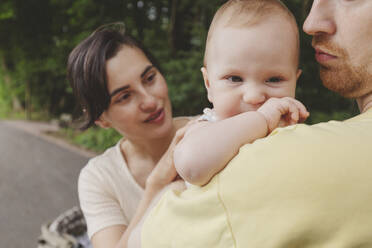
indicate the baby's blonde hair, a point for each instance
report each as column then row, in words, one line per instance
column 245, row 13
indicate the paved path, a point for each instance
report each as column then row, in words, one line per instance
column 38, row 181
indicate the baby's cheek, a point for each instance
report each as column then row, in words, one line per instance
column 227, row 111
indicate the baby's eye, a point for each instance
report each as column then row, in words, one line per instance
column 274, row 80
column 235, row 79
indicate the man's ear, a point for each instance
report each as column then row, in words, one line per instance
column 299, row 72
column 102, row 122
column 206, row 83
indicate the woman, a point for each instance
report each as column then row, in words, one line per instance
column 119, row 86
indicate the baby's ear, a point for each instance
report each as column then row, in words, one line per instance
column 206, row 83
column 299, row 72
column 102, row 122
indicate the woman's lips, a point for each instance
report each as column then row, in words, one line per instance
column 156, row 117
column 323, row 57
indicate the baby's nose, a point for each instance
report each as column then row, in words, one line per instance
column 254, row 96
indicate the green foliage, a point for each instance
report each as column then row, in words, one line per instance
column 317, row 116
column 95, row 139
column 6, row 11
column 5, row 100
column 5, row 97
column 37, row 36
column 186, row 88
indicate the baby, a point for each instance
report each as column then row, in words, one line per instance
column 250, row 72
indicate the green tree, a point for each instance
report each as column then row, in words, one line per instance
column 37, row 36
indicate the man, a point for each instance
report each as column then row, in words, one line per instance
column 304, row 186
column 342, row 38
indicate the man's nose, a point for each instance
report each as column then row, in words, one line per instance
column 320, row 19
column 254, row 95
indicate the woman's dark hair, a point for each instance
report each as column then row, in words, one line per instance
column 86, row 68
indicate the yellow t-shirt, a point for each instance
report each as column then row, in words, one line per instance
column 303, row 186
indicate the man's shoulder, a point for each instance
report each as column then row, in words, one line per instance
column 303, row 140
column 353, row 127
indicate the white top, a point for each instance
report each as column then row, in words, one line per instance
column 208, row 115
column 108, row 193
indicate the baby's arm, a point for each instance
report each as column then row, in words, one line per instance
column 208, row 146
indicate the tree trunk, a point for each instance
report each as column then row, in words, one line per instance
column 28, row 100
column 172, row 24
column 139, row 17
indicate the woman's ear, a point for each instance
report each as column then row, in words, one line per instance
column 103, row 122
column 207, row 83
column 299, row 72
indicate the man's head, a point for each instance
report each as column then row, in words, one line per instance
column 342, row 38
column 251, row 55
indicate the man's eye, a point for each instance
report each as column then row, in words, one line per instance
column 274, row 80
column 235, row 79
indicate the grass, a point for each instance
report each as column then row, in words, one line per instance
column 94, row 139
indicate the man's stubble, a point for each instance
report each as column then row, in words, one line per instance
column 346, row 79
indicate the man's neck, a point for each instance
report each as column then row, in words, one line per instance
column 365, row 102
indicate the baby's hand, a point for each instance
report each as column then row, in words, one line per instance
column 281, row 112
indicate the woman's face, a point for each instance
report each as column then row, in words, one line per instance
column 140, row 108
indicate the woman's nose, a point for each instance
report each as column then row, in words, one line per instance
column 320, row 19
column 148, row 102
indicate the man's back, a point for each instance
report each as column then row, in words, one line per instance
column 304, row 186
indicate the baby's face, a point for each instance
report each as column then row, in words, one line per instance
column 247, row 66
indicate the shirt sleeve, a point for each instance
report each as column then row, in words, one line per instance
column 101, row 209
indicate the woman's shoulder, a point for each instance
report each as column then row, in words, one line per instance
column 110, row 159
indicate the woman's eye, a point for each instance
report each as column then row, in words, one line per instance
column 274, row 80
column 349, row 1
column 151, row 78
column 235, row 79
column 123, row 97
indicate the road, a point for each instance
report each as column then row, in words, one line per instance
column 38, row 181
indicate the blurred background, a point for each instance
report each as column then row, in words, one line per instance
column 37, row 175
column 36, row 37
